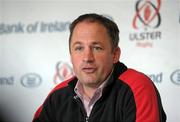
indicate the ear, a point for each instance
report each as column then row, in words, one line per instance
column 117, row 53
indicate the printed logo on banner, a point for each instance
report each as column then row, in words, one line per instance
column 34, row 27
column 8, row 81
column 31, row 80
column 175, row 77
column 145, row 22
column 63, row 72
column 147, row 14
column 156, row 78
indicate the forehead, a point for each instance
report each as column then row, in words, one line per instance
column 86, row 29
column 93, row 32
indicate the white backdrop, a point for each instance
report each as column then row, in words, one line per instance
column 34, row 53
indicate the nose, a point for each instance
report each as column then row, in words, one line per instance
column 88, row 56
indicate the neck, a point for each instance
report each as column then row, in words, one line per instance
column 89, row 91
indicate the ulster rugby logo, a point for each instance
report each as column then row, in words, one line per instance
column 146, row 21
column 63, row 72
column 147, row 14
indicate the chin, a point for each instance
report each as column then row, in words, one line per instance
column 88, row 81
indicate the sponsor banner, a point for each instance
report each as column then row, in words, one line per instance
column 34, row 52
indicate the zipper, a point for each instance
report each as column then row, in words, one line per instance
column 87, row 119
column 77, row 99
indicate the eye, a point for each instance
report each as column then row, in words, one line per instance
column 98, row 48
column 78, row 48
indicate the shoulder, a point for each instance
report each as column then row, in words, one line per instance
column 141, row 85
column 61, row 87
column 53, row 96
column 60, row 91
column 145, row 94
column 62, row 84
column 136, row 79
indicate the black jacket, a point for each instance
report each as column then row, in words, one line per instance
column 129, row 96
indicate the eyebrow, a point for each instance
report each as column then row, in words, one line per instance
column 96, row 43
column 77, row 43
column 93, row 43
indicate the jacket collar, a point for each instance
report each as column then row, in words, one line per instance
column 119, row 68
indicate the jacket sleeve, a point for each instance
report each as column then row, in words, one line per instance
column 147, row 101
column 45, row 113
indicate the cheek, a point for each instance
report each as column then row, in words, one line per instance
column 105, row 62
column 75, row 61
column 105, row 58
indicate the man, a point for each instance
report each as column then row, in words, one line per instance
column 103, row 89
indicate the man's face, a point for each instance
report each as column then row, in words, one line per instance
column 91, row 53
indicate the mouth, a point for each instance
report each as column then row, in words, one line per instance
column 88, row 70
